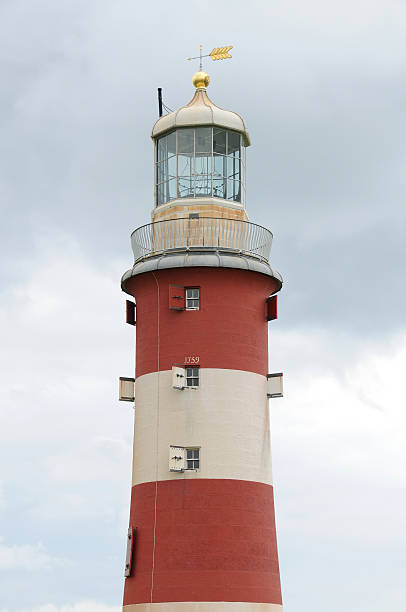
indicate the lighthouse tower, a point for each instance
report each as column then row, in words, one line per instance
column 202, row 525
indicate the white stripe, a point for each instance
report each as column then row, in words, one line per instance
column 227, row 417
column 210, row 606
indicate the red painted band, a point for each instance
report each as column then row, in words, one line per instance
column 215, row 541
column 229, row 330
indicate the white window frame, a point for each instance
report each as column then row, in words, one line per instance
column 192, row 449
column 187, row 289
column 195, row 375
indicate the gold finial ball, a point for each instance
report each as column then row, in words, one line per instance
column 201, row 79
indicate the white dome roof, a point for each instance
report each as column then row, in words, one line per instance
column 201, row 111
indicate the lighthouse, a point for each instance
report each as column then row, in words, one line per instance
column 202, row 534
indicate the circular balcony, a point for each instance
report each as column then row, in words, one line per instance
column 221, row 235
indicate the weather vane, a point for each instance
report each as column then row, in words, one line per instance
column 218, row 53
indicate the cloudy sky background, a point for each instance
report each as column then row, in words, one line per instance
column 322, row 88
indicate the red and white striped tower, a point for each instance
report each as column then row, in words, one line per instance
column 202, row 526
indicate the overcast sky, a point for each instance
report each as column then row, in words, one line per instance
column 322, row 88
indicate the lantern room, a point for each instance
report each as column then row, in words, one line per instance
column 199, row 159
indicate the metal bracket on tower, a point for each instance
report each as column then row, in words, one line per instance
column 275, row 385
column 129, row 553
column 126, row 389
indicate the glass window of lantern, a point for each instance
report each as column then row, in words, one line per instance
column 185, row 163
column 160, row 193
column 161, row 172
column 172, row 167
column 219, row 163
column 234, row 147
column 242, row 174
column 219, row 141
column 171, row 144
column 185, row 141
column 233, row 168
column 198, row 162
column 172, row 189
column 219, row 188
column 203, row 138
column 161, row 149
column 233, row 191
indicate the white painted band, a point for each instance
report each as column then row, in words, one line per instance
column 227, row 417
column 210, row 606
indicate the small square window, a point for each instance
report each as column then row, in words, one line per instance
column 192, row 299
column 192, row 377
column 193, row 458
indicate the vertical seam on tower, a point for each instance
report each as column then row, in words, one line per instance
column 156, row 443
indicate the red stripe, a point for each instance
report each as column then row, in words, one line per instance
column 215, row 541
column 229, row 331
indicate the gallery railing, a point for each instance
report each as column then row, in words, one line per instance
column 207, row 233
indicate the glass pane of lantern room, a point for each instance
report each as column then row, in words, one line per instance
column 185, row 141
column 185, row 160
column 172, row 167
column 161, row 149
column 185, row 187
column 233, row 191
column 161, row 172
column 233, row 168
column 203, row 184
column 203, row 161
column 202, row 164
column 160, row 194
column 219, row 187
column 203, row 140
column 171, row 144
column 172, row 189
column 219, row 169
column 185, row 165
column 219, row 141
column 219, row 174
column 234, row 144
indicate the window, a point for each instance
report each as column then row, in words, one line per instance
column 192, row 299
column 193, row 458
column 183, row 458
column 199, row 162
column 192, row 377
column 185, row 377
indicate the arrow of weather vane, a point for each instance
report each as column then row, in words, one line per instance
column 218, row 53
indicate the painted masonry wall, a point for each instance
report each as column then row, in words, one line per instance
column 229, row 331
column 227, row 417
column 215, row 538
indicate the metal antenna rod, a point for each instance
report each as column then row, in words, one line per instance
column 160, row 101
column 201, row 58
